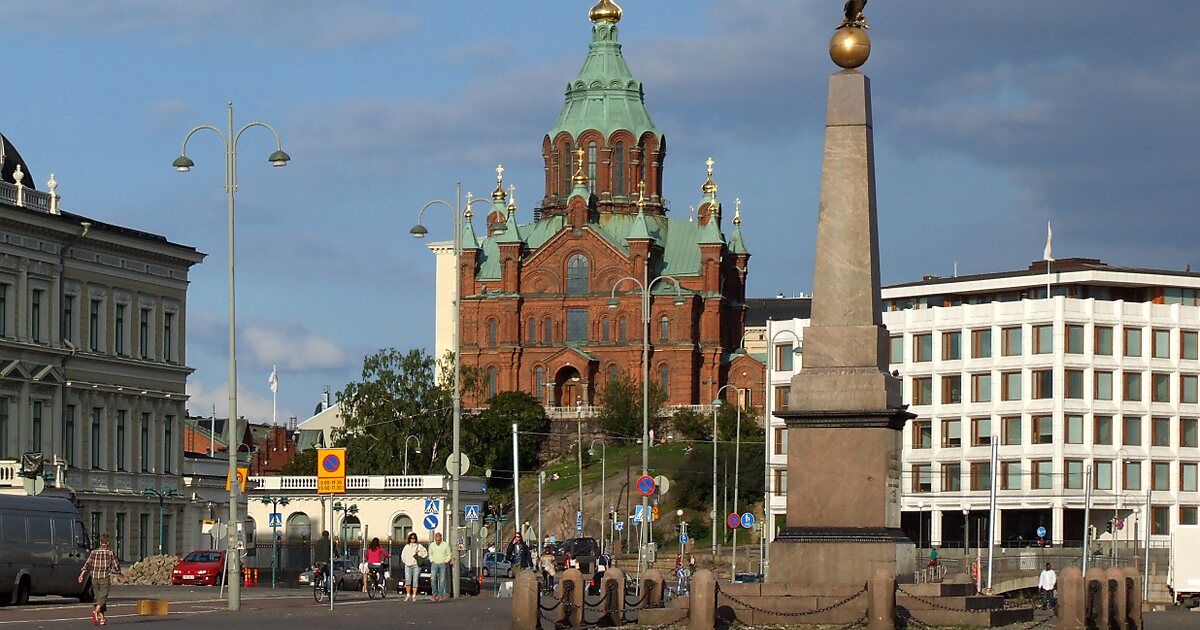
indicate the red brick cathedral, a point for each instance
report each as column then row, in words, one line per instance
column 554, row 307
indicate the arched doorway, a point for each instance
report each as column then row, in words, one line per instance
column 568, row 388
column 299, row 528
column 402, row 526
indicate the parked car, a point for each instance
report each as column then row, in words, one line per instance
column 468, row 581
column 42, row 549
column 585, row 550
column 494, row 563
column 345, row 572
column 204, row 567
column 747, row 578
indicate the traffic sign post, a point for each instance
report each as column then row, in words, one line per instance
column 275, row 519
column 331, row 471
column 431, row 521
column 747, row 520
column 471, row 513
column 733, row 521
column 646, row 485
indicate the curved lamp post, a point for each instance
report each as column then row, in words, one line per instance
column 347, row 511
column 768, row 512
column 162, row 498
column 418, row 450
column 274, row 502
column 737, row 451
column 419, row 231
column 603, row 459
column 184, row 164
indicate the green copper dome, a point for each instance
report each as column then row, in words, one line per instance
column 604, row 96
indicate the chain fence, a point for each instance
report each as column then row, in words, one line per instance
column 798, row 613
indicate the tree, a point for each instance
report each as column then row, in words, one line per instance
column 488, row 436
column 691, row 424
column 621, row 406
column 303, row 464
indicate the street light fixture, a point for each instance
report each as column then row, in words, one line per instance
column 419, row 231
column 418, row 450
column 347, row 511
column 184, row 164
column 966, row 540
column 170, row 493
column 603, row 473
column 274, row 502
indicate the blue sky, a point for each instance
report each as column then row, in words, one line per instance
column 990, row 119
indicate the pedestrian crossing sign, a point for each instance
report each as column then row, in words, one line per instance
column 433, row 506
column 472, row 513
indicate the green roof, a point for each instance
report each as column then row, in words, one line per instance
column 736, row 244
column 604, row 96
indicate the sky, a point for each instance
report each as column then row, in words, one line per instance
column 991, row 118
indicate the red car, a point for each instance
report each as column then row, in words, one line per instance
column 203, row 568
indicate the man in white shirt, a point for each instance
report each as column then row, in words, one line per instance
column 1046, row 584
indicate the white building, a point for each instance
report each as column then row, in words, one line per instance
column 1099, row 380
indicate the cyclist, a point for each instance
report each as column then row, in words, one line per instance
column 376, row 556
column 321, row 559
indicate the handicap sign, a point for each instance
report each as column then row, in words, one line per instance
column 683, row 538
column 747, row 520
column 433, row 506
column 620, row 526
column 431, row 521
column 472, row 513
column 1041, row 532
column 275, row 520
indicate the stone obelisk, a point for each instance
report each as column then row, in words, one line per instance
column 845, row 416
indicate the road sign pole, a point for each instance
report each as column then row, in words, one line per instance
column 274, row 550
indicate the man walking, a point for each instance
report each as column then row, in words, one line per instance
column 440, row 556
column 1046, row 583
column 103, row 564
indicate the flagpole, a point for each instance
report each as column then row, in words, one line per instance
column 1048, row 277
column 275, row 394
column 1048, row 256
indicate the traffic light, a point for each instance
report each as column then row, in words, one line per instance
column 1108, row 526
column 677, row 528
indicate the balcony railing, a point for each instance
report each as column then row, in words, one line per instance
column 353, row 482
column 30, row 198
column 569, row 413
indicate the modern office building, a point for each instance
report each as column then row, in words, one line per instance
column 1095, row 386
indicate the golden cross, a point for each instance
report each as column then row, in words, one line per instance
column 579, row 156
column 710, row 163
column 512, row 193
column 500, row 173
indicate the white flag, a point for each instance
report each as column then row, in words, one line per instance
column 274, row 380
column 1049, row 237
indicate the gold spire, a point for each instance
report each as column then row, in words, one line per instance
column 709, row 187
column 468, row 214
column 605, row 11
column 580, row 178
column 641, row 203
column 737, row 211
column 512, row 199
column 498, row 194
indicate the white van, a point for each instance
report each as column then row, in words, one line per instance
column 43, row 547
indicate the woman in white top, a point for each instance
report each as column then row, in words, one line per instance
column 412, row 567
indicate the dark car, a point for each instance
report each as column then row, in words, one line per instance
column 202, row 568
column 585, row 550
column 468, row 580
column 347, row 574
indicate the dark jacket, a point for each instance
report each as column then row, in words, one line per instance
column 321, row 551
column 518, row 554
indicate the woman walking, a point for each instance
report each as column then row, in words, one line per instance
column 410, row 556
column 103, row 564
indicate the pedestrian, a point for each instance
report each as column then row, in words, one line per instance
column 411, row 557
column 440, row 557
column 1046, row 583
column 548, row 569
column 933, row 557
column 103, row 564
column 518, row 555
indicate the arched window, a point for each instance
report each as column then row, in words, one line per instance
column 402, row 526
column 604, row 332
column 621, row 332
column 539, row 383
column 491, row 381
column 491, row 332
column 547, row 332
column 577, row 275
column 664, row 329
column 663, row 376
column 612, row 373
column 591, row 166
column 566, row 171
column 619, row 169
column 531, row 335
column 299, row 527
column 353, row 529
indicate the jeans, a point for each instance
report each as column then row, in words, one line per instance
column 1048, row 599
column 437, row 579
column 411, row 573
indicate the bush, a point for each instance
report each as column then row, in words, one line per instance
column 692, row 425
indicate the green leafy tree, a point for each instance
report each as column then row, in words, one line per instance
column 620, row 412
column 304, row 463
column 691, row 424
column 695, row 482
column 488, row 436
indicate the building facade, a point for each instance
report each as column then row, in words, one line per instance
column 553, row 306
column 1094, row 386
column 93, row 363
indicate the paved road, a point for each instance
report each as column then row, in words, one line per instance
column 263, row 609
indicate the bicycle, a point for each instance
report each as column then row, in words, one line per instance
column 321, row 586
column 376, row 583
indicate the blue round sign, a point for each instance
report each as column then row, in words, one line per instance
column 1041, row 532
column 683, row 538
column 645, row 485
column 331, row 463
column 733, row 521
column 431, row 521
column 747, row 520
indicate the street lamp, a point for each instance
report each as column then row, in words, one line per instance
column 419, row 231
column 184, row 164
column 737, row 447
column 920, row 524
column 170, row 493
column 966, row 541
column 1121, row 455
column 579, row 460
column 679, row 515
column 418, row 450
column 603, row 458
column 768, row 511
column 274, row 503
column 347, row 511
column 646, row 285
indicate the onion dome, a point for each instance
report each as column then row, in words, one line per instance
column 605, row 11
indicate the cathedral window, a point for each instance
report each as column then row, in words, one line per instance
column 547, row 332
column 612, row 373
column 491, row 332
column 577, row 275
column 664, row 330
column 531, row 335
column 577, row 324
column 663, row 378
column 591, row 166
column 539, row 382
column 491, row 382
column 565, row 171
column 619, row 169
column 604, row 332
column 621, row 331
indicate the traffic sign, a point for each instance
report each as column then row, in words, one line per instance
column 1041, row 532
column 620, row 526
column 431, row 521
column 466, row 464
column 654, row 513
column 472, row 513
column 637, row 514
column 683, row 538
column 747, row 520
column 275, row 519
column 663, row 484
column 1120, row 524
column 433, row 506
column 219, row 531
column 579, row 529
column 578, row 519
column 331, row 471
column 645, row 485
column 733, row 521
column 242, row 474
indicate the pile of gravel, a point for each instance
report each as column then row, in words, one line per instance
column 153, row 570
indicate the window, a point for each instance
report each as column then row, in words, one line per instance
column 4, row 451
column 664, row 380
column 1043, row 429
column 539, row 383
column 577, row 324
column 664, row 329
column 68, row 318
column 1104, row 386
column 613, row 373
column 1074, row 480
column 1010, row 475
column 68, row 434
column 1010, row 386
column 1102, row 430
column 121, row 414
column 1188, row 515
column 35, row 316
column 922, row 478
column 1102, row 476
column 1133, row 342
column 1160, row 344
column 922, row 348
column 981, row 431
column 605, row 333
column 144, row 442
column 782, row 393
column 1131, row 475
column 1187, row 433
column 591, row 166
column 981, row 343
column 531, row 331
column 951, row 433
column 1012, row 430
column 1131, row 430
column 1187, row 388
column 780, row 441
column 3, row 310
column 951, row 477
column 577, row 275
column 491, row 332
column 1160, row 387
column 621, row 336
column 1160, row 520
column 1187, row 477
column 565, row 171
column 1074, row 380
column 1132, row 390
column 619, row 169
column 1160, row 476
column 1188, row 344
column 491, row 382
column 981, row 387
column 784, row 353
column 1043, row 384
column 1074, row 426
column 951, row 346
column 780, row 482
column 168, row 447
column 1043, row 339
column 1104, row 340
column 1074, row 339
column 548, row 332
column 119, row 330
column 1010, row 341
column 981, row 475
column 144, row 334
column 951, row 389
column 36, row 437
column 143, row 535
column 1043, row 475
column 922, row 391
column 94, row 326
column 96, row 413
column 168, row 346
column 922, row 434
column 896, row 349
column 1160, row 432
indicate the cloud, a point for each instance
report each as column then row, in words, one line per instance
column 291, row 347
column 252, row 403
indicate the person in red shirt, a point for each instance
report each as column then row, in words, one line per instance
column 103, row 564
column 376, row 556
